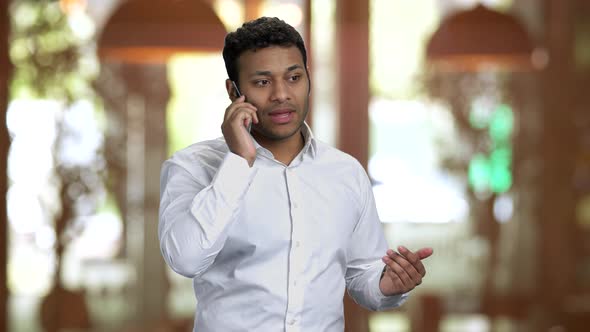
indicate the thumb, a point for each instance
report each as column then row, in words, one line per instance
column 425, row 253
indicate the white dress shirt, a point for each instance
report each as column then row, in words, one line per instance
column 272, row 247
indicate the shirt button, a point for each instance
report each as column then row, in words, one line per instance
column 295, row 205
column 292, row 321
column 297, row 244
column 295, row 283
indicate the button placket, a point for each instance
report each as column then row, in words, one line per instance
column 297, row 260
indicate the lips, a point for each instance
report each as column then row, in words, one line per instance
column 281, row 116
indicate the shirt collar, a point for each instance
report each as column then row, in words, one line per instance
column 309, row 147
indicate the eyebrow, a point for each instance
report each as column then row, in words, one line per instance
column 269, row 73
column 293, row 67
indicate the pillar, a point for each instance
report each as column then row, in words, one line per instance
column 352, row 35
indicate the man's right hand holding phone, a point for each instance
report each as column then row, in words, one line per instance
column 238, row 117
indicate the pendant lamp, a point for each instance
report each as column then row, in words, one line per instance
column 142, row 31
column 480, row 38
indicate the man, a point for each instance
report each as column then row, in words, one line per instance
column 271, row 224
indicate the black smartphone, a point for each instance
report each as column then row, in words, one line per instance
column 239, row 94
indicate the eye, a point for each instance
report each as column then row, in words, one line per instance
column 262, row 83
column 294, row 78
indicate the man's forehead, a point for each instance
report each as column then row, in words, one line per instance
column 273, row 58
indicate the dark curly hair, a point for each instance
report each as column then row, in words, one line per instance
column 259, row 33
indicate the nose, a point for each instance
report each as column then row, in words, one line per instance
column 280, row 92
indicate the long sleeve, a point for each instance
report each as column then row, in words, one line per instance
column 196, row 211
column 364, row 265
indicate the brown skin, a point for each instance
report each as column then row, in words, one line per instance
column 274, row 80
column 403, row 270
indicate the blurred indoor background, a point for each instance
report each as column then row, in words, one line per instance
column 471, row 117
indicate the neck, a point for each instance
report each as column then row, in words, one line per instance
column 283, row 150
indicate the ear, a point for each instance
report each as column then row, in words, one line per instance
column 230, row 90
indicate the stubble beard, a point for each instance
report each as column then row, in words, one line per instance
column 265, row 134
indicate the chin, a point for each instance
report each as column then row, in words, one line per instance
column 281, row 132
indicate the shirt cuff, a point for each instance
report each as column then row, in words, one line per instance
column 384, row 302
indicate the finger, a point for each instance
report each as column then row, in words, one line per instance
column 233, row 109
column 236, row 105
column 420, row 255
column 243, row 114
column 238, row 121
column 255, row 116
column 402, row 283
column 233, row 106
column 414, row 270
column 252, row 119
column 412, row 257
column 416, row 264
column 398, row 284
column 409, row 257
column 425, row 252
column 396, row 256
column 246, row 118
column 399, row 271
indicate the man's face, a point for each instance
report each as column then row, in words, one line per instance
column 275, row 81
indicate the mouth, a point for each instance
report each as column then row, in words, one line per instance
column 282, row 116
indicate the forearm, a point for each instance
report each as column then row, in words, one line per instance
column 192, row 235
column 364, row 265
column 194, row 222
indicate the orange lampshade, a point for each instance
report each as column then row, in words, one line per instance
column 151, row 31
column 480, row 38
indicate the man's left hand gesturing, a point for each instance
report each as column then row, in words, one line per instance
column 403, row 271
